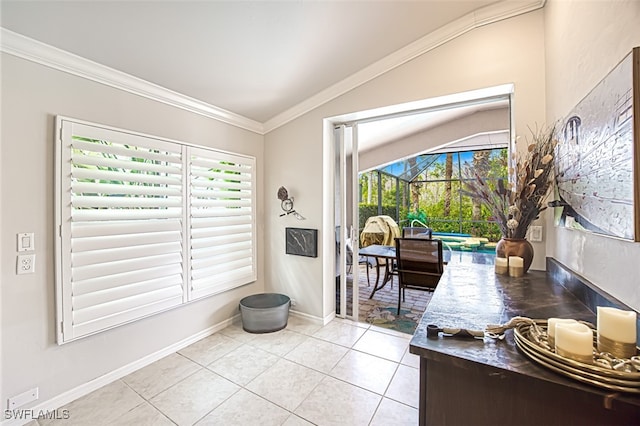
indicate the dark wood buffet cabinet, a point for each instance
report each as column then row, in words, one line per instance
column 490, row 382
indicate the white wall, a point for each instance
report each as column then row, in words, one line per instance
column 510, row 51
column 31, row 96
column 584, row 41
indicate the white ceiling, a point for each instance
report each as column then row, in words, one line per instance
column 253, row 58
column 373, row 134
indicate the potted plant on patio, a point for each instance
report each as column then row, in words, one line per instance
column 515, row 205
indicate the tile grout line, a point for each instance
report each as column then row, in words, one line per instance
column 144, row 400
column 307, row 337
column 327, row 375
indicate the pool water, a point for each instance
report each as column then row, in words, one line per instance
column 465, row 242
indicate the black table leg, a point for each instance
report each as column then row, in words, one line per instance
column 385, row 280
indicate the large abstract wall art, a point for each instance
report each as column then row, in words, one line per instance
column 597, row 158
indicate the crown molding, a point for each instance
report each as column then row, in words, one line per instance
column 481, row 17
column 32, row 50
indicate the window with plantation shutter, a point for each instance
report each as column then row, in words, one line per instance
column 146, row 224
column 222, row 221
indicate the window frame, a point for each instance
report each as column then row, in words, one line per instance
column 66, row 329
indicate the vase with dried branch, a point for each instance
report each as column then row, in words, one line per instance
column 514, row 206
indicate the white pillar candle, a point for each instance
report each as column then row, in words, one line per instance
column 574, row 341
column 502, row 265
column 551, row 327
column 516, row 266
column 516, row 261
column 501, row 261
column 617, row 325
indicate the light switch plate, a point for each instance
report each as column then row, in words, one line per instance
column 535, row 234
column 26, row 241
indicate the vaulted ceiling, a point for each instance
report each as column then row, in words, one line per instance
column 257, row 59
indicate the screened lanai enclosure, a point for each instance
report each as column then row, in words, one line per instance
column 428, row 190
column 411, row 165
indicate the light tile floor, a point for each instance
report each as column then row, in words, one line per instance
column 344, row 373
column 415, row 301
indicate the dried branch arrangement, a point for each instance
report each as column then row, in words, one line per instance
column 515, row 208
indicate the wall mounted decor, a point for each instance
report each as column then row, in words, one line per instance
column 286, row 203
column 598, row 158
column 302, row 242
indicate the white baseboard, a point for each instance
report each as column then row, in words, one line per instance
column 316, row 320
column 86, row 388
column 311, row 318
column 326, row 320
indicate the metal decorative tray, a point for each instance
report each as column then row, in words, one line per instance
column 608, row 378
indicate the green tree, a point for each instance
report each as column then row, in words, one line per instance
column 448, row 172
column 481, row 167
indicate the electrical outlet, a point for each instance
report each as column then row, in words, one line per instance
column 26, row 264
column 293, row 302
column 23, row 398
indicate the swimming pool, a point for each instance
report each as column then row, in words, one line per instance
column 465, row 242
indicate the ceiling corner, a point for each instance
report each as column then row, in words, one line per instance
column 32, row 50
column 485, row 16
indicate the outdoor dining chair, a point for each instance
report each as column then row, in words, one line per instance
column 419, row 265
column 417, row 232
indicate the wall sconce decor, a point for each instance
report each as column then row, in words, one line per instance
column 286, row 203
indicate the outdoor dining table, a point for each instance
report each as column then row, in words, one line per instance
column 382, row 254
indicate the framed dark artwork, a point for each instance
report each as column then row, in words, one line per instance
column 301, row 242
column 598, row 158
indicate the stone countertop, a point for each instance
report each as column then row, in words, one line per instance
column 472, row 296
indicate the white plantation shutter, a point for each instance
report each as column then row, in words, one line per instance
column 222, row 218
column 126, row 206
